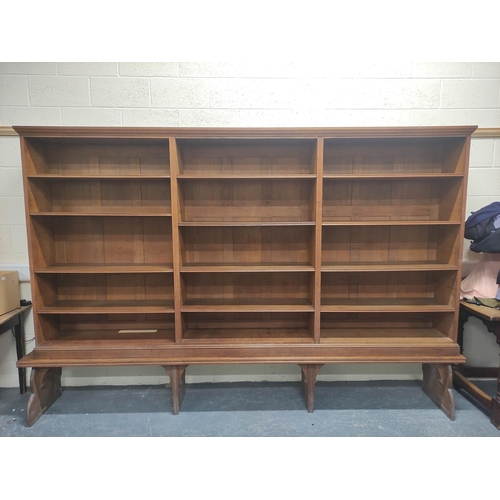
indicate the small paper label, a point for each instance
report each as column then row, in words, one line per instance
column 137, row 331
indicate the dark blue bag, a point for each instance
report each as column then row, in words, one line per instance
column 480, row 227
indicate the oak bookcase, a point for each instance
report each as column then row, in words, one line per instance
column 172, row 247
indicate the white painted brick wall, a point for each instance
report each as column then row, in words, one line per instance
column 275, row 93
column 151, row 117
column 28, row 68
column 30, row 116
column 179, row 93
column 10, row 155
column 120, row 92
column 469, row 94
column 88, row 69
column 59, row 91
column 110, row 117
column 148, row 69
column 13, row 90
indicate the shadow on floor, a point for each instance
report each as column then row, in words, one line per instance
column 371, row 408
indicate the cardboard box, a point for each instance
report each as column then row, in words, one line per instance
column 9, row 291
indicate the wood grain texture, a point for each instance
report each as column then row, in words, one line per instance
column 309, row 375
column 45, row 390
column 478, row 133
column 175, row 246
column 177, row 375
column 437, row 384
column 231, row 133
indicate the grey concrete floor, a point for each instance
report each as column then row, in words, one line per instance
column 343, row 409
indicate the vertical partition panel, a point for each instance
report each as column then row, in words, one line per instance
column 174, row 195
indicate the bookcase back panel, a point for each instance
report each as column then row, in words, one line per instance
column 109, row 327
column 104, row 240
column 241, row 327
column 225, row 156
column 109, row 287
column 392, row 156
column 102, row 157
column 386, row 200
column 390, row 244
column 111, row 195
column 247, row 245
column 283, row 200
column 384, row 287
column 387, row 326
column 282, row 288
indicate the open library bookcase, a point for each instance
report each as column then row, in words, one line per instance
column 172, row 247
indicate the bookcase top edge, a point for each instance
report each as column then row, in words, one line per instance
column 243, row 133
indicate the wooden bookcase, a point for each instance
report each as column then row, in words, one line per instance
column 172, row 247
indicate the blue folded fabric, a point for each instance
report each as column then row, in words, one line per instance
column 481, row 227
column 488, row 212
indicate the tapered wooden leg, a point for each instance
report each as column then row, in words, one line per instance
column 437, row 385
column 177, row 376
column 495, row 402
column 309, row 374
column 45, row 389
column 18, row 333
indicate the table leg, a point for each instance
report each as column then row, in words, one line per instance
column 495, row 406
column 495, row 403
column 18, row 333
column 462, row 319
column 494, row 328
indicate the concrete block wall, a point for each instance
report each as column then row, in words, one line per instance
column 277, row 94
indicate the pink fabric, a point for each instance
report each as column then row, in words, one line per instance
column 482, row 281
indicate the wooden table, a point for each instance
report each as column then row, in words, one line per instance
column 14, row 320
column 461, row 373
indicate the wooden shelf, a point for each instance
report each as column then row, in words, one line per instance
column 107, row 212
column 344, row 267
column 248, row 336
column 393, row 176
column 244, row 176
column 102, row 338
column 108, row 307
column 392, row 223
column 384, row 305
column 105, row 269
column 99, row 176
column 250, row 267
column 245, row 223
column 249, row 305
column 395, row 337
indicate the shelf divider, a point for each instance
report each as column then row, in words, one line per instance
column 176, row 254
column 318, row 239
